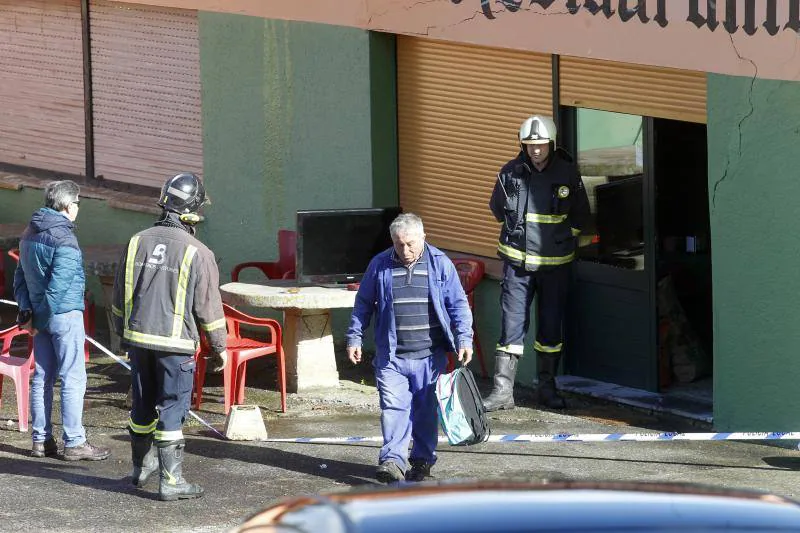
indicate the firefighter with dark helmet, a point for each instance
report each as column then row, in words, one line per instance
column 166, row 290
column 541, row 202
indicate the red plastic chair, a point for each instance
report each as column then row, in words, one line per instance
column 470, row 272
column 283, row 268
column 240, row 350
column 88, row 309
column 19, row 369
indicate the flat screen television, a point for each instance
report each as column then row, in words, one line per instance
column 619, row 216
column 336, row 245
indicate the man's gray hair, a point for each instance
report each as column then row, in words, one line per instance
column 59, row 194
column 406, row 223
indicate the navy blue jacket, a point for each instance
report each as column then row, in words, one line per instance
column 542, row 211
column 49, row 279
column 375, row 297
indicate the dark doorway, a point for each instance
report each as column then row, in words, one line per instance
column 683, row 251
column 640, row 310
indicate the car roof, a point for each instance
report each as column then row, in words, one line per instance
column 514, row 506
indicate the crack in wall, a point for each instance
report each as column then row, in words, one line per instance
column 392, row 10
column 472, row 17
column 741, row 123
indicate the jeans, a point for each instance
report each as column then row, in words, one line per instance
column 407, row 391
column 58, row 352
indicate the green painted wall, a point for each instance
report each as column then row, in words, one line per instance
column 295, row 116
column 754, row 132
column 97, row 223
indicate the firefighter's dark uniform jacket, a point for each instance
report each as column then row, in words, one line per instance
column 542, row 211
column 167, row 284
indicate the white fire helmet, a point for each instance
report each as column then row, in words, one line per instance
column 537, row 129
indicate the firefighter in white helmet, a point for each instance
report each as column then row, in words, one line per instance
column 540, row 199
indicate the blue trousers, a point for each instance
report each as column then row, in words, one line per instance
column 58, row 352
column 407, row 391
column 162, row 392
column 516, row 296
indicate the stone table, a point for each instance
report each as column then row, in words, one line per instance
column 9, row 235
column 307, row 338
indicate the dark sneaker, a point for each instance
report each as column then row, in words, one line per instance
column 46, row 448
column 389, row 472
column 419, row 471
column 86, row 452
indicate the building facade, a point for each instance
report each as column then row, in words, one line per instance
column 313, row 105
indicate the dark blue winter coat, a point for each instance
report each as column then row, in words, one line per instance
column 49, row 279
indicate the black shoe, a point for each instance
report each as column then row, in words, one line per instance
column 389, row 472
column 86, row 452
column 419, row 471
column 47, row 448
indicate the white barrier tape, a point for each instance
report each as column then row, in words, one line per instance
column 108, row 352
column 578, row 437
column 126, row 365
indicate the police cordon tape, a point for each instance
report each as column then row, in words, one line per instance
column 558, row 437
column 578, row 437
column 126, row 365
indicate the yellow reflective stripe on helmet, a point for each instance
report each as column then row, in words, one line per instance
column 180, row 294
column 575, row 232
column 116, row 311
column 508, row 251
column 157, row 340
column 142, row 430
column 516, row 349
column 130, row 259
column 169, row 436
column 539, row 347
column 211, row 326
column 531, row 259
column 545, row 219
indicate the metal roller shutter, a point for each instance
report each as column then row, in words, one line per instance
column 41, row 85
column 459, row 111
column 146, row 92
column 633, row 89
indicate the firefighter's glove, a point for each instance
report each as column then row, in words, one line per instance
column 218, row 360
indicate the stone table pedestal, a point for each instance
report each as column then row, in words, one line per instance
column 307, row 337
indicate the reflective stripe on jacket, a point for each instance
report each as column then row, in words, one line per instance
column 542, row 211
column 167, row 284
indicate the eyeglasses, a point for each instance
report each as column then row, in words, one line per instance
column 77, row 202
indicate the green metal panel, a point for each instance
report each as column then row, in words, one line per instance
column 754, row 132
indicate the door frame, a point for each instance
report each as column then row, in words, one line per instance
column 568, row 138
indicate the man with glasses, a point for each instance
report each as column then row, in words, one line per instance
column 49, row 285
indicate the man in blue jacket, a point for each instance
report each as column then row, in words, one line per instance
column 48, row 285
column 421, row 313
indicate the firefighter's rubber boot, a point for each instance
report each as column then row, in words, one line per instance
column 144, row 457
column 171, row 485
column 547, row 366
column 505, row 371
